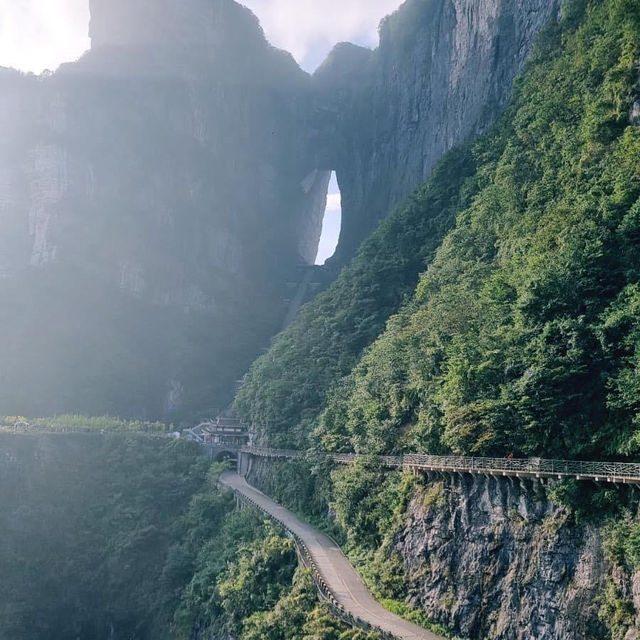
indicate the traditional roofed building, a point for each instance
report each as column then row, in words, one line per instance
column 223, row 433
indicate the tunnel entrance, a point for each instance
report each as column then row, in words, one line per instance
column 331, row 224
column 223, row 456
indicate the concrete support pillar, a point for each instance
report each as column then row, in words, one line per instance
column 243, row 464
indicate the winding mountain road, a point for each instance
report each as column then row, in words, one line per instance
column 346, row 585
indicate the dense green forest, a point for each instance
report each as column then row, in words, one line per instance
column 522, row 334
column 286, row 388
column 89, row 533
column 246, row 582
column 80, row 424
column 126, row 536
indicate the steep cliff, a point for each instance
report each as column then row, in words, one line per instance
column 154, row 199
column 461, row 545
column 443, row 71
column 522, row 336
column 478, row 556
column 92, row 526
column 498, row 558
column 158, row 194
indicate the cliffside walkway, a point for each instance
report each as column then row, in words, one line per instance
column 335, row 577
column 613, row 472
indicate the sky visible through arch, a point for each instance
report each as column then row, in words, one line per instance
column 332, row 223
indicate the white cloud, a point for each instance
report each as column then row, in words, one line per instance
column 41, row 34
column 310, row 28
column 330, row 236
column 334, row 202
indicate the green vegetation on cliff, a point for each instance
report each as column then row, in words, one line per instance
column 497, row 311
column 246, row 586
column 80, row 424
column 245, row 582
column 522, row 335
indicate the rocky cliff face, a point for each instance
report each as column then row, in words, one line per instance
column 494, row 558
column 489, row 557
column 166, row 173
column 443, row 71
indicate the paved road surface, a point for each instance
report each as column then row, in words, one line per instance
column 346, row 584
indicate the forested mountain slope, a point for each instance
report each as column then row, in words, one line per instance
column 123, row 536
column 91, row 527
column 159, row 196
column 285, row 388
column 522, row 334
column 521, row 337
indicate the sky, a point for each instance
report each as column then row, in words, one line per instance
column 332, row 223
column 310, row 28
column 41, row 34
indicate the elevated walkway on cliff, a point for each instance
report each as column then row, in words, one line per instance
column 337, row 580
column 612, row 472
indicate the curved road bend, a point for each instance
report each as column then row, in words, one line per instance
column 347, row 586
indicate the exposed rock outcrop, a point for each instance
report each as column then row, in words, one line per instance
column 490, row 557
column 634, row 116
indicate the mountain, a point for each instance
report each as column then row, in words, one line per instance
column 519, row 339
column 442, row 73
column 519, row 335
column 155, row 199
column 493, row 313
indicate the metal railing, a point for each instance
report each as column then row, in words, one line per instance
column 535, row 467
column 266, row 452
